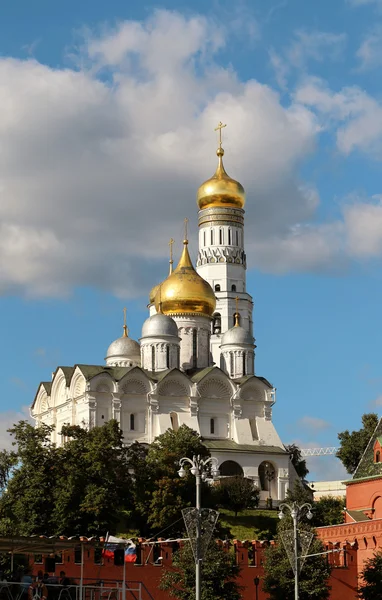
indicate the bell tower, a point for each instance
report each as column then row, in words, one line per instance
column 221, row 258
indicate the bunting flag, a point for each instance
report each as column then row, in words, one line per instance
column 113, row 543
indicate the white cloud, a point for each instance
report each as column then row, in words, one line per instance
column 305, row 47
column 356, row 116
column 313, row 423
column 316, row 45
column 7, row 420
column 98, row 167
column 370, row 51
column 364, row 228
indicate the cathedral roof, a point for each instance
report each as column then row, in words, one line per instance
column 231, row 446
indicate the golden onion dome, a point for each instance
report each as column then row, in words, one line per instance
column 153, row 293
column 220, row 190
column 184, row 291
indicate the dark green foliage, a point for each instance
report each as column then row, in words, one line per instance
column 168, row 492
column 237, row 494
column 8, row 460
column 298, row 462
column 371, row 587
column 219, row 575
column 328, row 510
column 93, row 481
column 279, row 578
column 25, row 506
column 353, row 445
column 79, row 488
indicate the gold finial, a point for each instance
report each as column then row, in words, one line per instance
column 125, row 329
column 185, row 231
column 219, row 128
column 237, row 315
column 171, row 259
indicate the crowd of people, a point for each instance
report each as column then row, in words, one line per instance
column 34, row 587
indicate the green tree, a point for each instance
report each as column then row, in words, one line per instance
column 371, row 587
column 170, row 493
column 237, row 494
column 8, row 460
column 279, row 578
column 93, row 481
column 353, row 445
column 298, row 462
column 26, row 504
column 81, row 487
column 218, row 570
column 328, row 510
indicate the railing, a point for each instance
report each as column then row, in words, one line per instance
column 10, row 590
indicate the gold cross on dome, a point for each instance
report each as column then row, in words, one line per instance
column 219, row 128
column 237, row 303
column 185, row 228
column 170, row 244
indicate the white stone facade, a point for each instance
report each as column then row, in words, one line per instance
column 187, row 369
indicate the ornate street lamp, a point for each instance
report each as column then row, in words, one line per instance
column 200, row 468
column 297, row 513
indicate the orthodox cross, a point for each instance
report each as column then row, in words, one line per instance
column 185, row 228
column 171, row 259
column 219, row 128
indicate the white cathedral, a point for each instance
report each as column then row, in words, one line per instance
column 194, row 363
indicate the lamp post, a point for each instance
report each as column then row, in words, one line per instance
column 269, row 474
column 296, row 513
column 200, row 468
column 256, row 581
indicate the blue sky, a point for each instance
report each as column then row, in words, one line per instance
column 108, row 111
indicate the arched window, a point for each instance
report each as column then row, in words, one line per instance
column 220, row 237
column 132, row 422
column 216, row 323
column 237, row 237
column 204, row 237
column 168, row 357
column 229, row 236
column 152, row 358
column 233, row 288
column 174, row 421
column 377, row 456
column 244, row 364
column 212, row 237
column 217, row 287
column 266, row 475
column 194, row 347
column 212, row 426
column 231, row 363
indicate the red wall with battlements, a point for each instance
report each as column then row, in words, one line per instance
column 153, row 558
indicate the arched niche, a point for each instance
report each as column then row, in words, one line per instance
column 267, row 474
column 230, row 468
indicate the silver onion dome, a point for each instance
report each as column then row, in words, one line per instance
column 159, row 325
column 237, row 336
column 124, row 347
